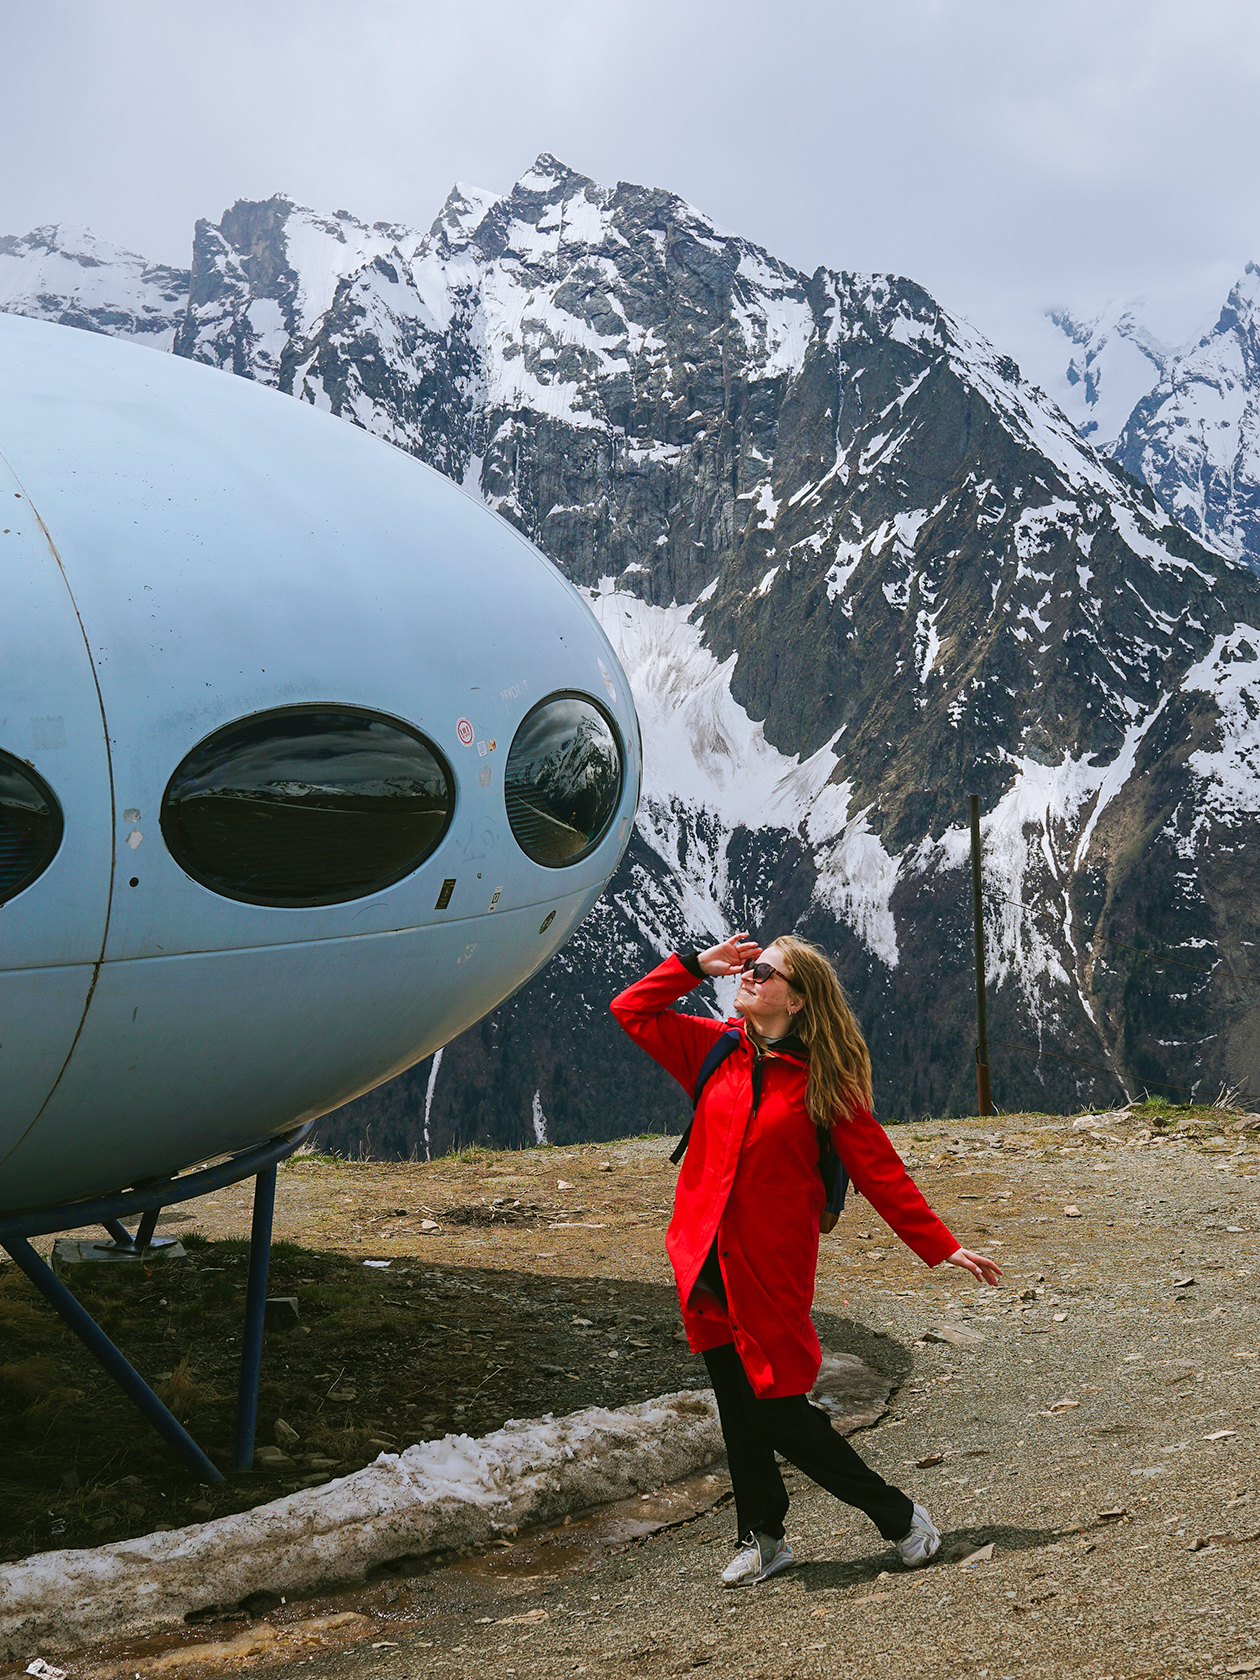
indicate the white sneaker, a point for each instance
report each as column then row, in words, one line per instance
column 922, row 1542
column 759, row 1556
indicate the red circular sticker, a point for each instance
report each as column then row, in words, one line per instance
column 464, row 730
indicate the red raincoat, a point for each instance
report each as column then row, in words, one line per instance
column 752, row 1180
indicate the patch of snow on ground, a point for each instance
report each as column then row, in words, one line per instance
column 767, row 507
column 1037, row 528
column 927, row 644
column 428, row 1098
column 1155, row 552
column 454, row 1492
column 856, row 876
column 848, row 559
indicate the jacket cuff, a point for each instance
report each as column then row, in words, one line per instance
column 691, row 962
column 937, row 1253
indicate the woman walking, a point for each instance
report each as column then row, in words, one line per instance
column 747, row 1212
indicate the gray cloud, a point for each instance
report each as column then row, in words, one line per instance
column 1008, row 155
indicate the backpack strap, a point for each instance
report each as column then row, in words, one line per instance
column 723, row 1046
column 832, row 1171
column 831, row 1168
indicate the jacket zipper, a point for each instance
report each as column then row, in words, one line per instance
column 758, row 1064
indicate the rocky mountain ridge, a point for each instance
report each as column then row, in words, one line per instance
column 68, row 275
column 856, row 568
column 1186, row 421
column 1115, row 361
column 1195, row 436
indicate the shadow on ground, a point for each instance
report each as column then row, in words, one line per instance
column 956, row 1544
column 380, row 1358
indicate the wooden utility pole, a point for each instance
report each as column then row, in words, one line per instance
column 982, row 1020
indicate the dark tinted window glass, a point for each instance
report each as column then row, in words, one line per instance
column 563, row 780
column 30, row 826
column 309, row 805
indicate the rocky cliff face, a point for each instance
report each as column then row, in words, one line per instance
column 856, row 568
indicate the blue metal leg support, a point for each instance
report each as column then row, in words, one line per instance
column 256, row 1162
column 255, row 1311
column 101, row 1348
column 145, row 1230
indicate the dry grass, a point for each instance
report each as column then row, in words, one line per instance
column 184, row 1393
column 28, row 1381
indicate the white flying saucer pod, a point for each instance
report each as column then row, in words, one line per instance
column 307, row 760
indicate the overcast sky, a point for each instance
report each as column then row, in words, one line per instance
column 1008, row 154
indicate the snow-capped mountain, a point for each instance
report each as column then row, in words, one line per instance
column 1184, row 420
column 1113, row 362
column 68, row 275
column 856, row 568
column 1195, row 436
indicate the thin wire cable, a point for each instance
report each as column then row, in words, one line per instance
column 1032, row 1050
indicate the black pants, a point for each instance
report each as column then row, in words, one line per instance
column 754, row 1430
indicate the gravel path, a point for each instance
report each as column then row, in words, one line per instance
column 1102, row 1437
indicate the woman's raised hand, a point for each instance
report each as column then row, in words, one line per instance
column 979, row 1265
column 730, row 956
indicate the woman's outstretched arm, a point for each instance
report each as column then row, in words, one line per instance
column 879, row 1173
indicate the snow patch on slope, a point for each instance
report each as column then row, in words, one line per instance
column 1033, row 842
column 1230, row 775
column 322, row 251
column 856, row 876
column 453, row 1492
column 708, row 770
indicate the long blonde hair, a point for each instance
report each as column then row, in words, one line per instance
column 839, row 1062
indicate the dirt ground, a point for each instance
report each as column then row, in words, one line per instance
column 1099, row 1428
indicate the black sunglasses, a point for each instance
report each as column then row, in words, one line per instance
column 761, row 972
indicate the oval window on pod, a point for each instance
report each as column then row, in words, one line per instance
column 31, row 826
column 562, row 784
column 307, row 805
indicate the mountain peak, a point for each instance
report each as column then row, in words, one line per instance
column 547, row 175
column 1242, row 304
column 1116, row 360
column 1195, row 437
column 65, row 273
column 71, row 240
column 465, row 208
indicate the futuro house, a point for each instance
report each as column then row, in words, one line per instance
column 307, row 760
